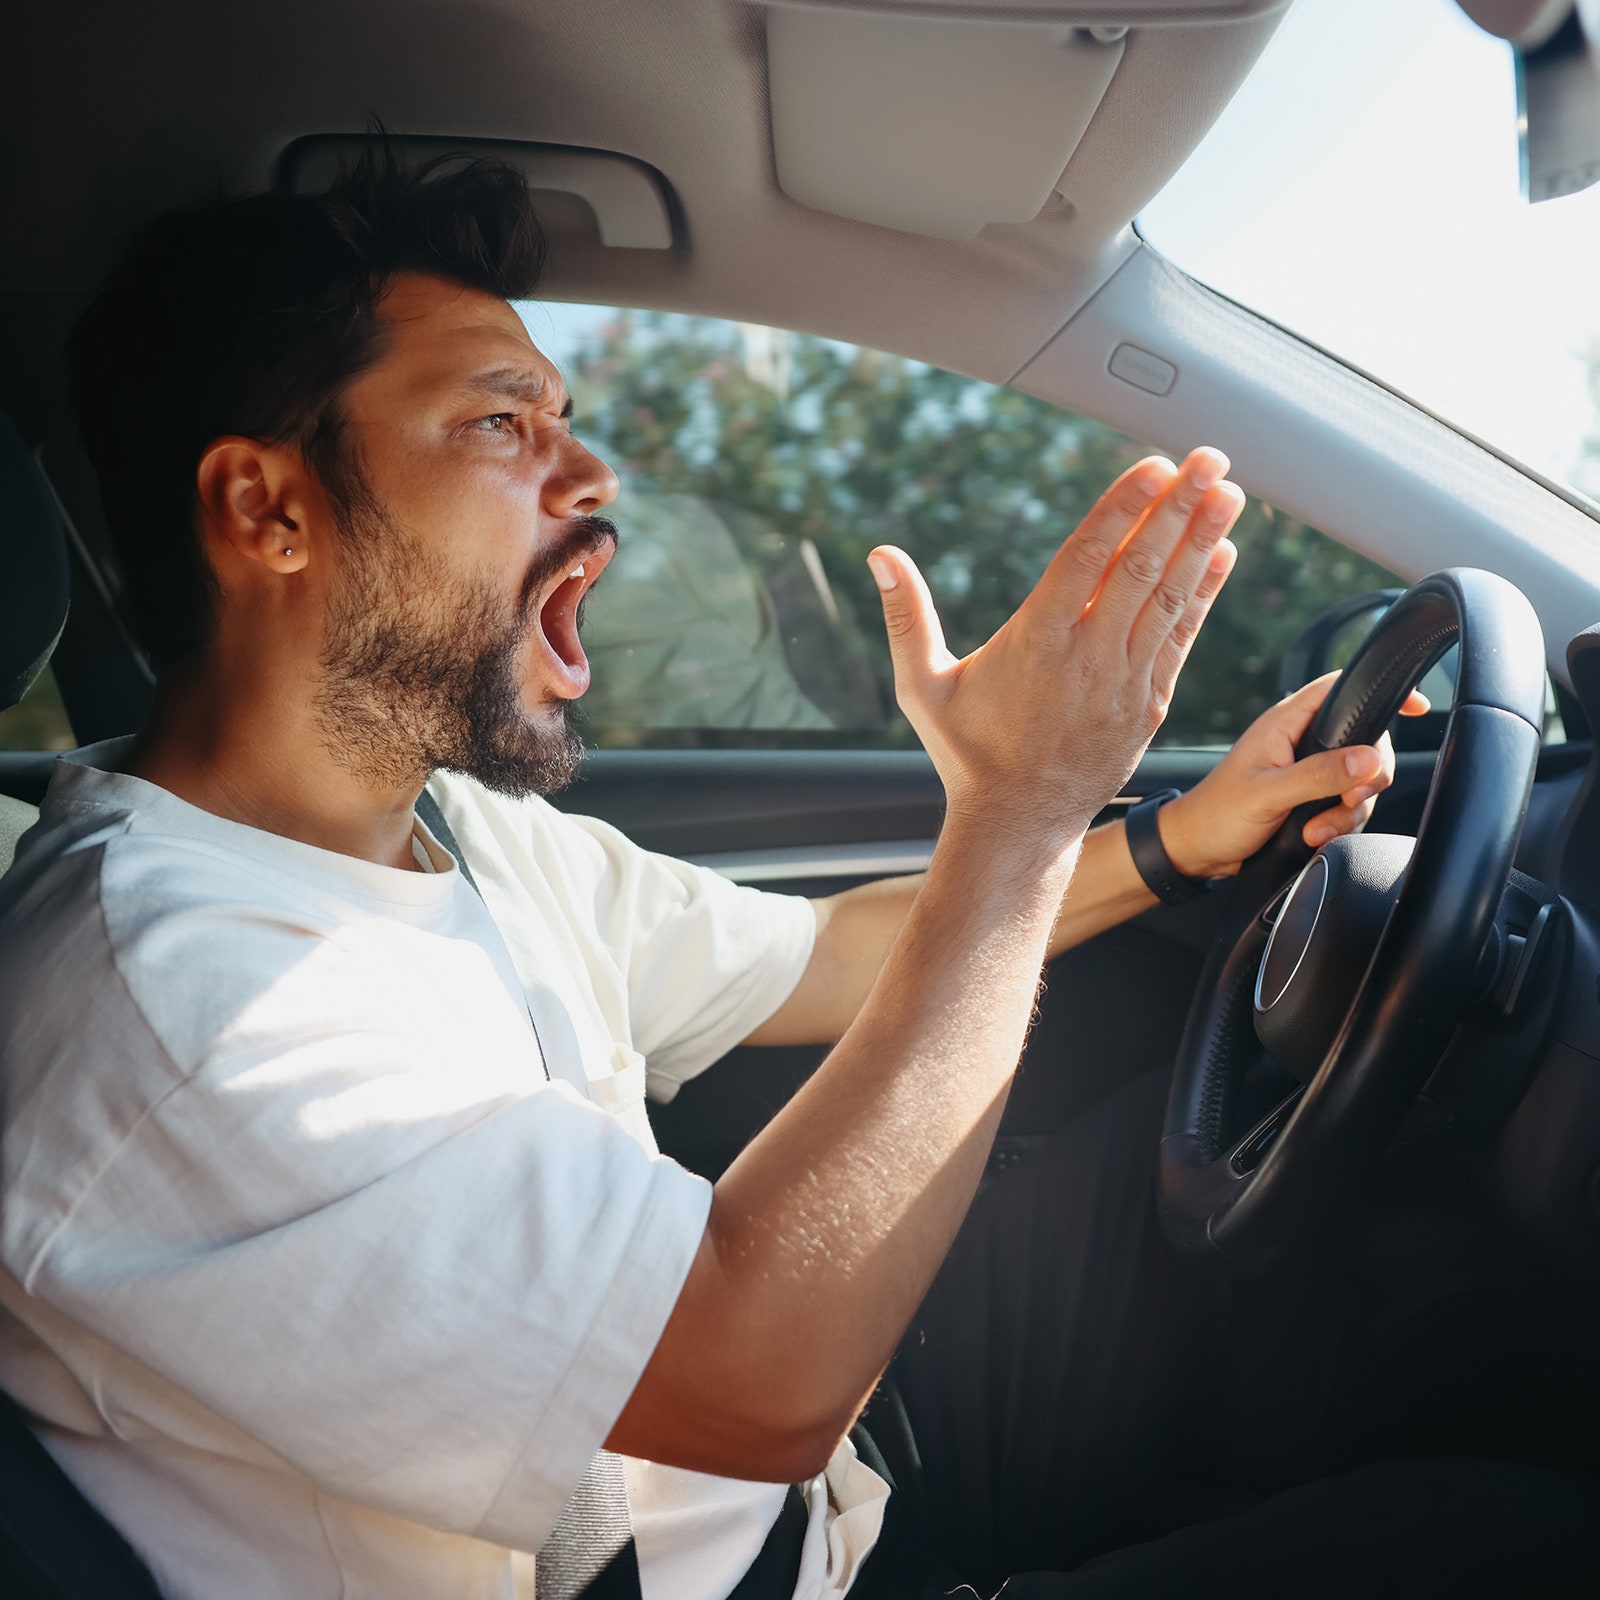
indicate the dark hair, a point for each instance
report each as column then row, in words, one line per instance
column 250, row 316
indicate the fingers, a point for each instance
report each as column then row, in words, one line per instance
column 1355, row 803
column 1202, row 537
column 1300, row 707
column 1336, row 820
column 1292, row 715
column 1385, row 775
column 916, row 639
column 1079, row 567
column 1174, row 650
column 1140, row 575
column 1332, row 772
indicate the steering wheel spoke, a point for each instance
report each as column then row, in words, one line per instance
column 1247, row 1154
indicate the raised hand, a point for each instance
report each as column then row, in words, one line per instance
column 1038, row 728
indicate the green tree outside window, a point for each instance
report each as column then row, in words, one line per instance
column 796, row 455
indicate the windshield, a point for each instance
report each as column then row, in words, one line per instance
column 1363, row 189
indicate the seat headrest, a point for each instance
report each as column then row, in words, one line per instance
column 33, row 559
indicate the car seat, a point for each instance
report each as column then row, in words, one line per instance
column 33, row 599
column 53, row 1544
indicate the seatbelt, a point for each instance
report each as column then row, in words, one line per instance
column 427, row 808
column 590, row 1553
column 432, row 818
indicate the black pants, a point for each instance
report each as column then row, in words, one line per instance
column 1079, row 1412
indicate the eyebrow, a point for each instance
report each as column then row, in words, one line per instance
column 514, row 383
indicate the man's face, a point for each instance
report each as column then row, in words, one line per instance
column 469, row 537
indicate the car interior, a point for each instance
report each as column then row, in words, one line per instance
column 957, row 183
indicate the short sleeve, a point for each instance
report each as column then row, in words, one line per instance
column 706, row 961
column 700, row 962
column 374, row 1243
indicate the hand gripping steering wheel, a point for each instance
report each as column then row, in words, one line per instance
column 1354, row 977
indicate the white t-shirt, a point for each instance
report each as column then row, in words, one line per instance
column 309, row 1277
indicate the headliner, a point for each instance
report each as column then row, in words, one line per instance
column 124, row 111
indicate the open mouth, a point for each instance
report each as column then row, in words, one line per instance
column 558, row 616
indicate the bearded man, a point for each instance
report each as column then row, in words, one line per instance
column 338, row 1256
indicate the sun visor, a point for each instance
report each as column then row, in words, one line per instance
column 941, row 118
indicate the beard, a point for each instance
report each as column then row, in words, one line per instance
column 420, row 665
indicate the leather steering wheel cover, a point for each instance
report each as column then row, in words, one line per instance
column 1418, row 980
column 1506, row 670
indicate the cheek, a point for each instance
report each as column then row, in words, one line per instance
column 487, row 508
column 509, row 488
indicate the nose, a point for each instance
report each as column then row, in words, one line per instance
column 580, row 484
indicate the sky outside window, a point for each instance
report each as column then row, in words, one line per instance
column 1363, row 190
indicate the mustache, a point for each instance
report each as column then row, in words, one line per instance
column 585, row 536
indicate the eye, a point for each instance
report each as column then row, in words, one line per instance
column 498, row 422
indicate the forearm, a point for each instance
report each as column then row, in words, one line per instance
column 1105, row 890
column 827, row 1230
column 856, row 929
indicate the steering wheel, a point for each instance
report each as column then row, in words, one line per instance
column 1354, row 963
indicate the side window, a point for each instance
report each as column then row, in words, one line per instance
column 38, row 721
column 759, row 467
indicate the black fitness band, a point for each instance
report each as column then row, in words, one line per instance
column 1150, row 856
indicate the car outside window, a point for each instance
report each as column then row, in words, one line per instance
column 759, row 467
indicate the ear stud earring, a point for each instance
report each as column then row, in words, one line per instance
column 288, row 550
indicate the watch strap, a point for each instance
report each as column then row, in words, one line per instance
column 1150, row 856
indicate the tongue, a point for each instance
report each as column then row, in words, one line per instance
column 558, row 621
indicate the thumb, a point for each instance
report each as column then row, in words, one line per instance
column 916, row 640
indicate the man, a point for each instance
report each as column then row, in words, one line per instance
column 335, row 1241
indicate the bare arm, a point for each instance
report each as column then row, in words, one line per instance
column 828, row 1228
column 855, row 930
column 1223, row 820
column 825, row 1233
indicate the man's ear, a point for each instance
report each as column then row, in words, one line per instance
column 253, row 497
